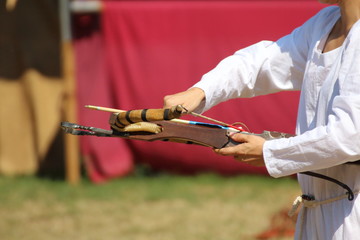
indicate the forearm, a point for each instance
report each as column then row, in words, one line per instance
column 260, row 69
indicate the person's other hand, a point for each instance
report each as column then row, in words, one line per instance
column 249, row 150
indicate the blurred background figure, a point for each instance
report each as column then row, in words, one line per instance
column 31, row 86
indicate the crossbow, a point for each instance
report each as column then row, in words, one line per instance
column 165, row 125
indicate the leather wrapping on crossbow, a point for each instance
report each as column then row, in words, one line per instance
column 145, row 115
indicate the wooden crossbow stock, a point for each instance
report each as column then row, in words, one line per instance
column 163, row 124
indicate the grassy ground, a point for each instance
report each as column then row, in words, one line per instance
column 142, row 208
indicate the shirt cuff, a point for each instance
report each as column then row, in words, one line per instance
column 276, row 166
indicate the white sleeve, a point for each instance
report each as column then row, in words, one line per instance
column 337, row 141
column 263, row 68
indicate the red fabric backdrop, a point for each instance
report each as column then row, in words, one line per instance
column 147, row 49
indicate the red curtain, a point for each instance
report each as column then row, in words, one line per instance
column 148, row 49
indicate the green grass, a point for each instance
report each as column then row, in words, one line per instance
column 164, row 207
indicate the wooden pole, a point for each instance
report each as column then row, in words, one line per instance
column 72, row 155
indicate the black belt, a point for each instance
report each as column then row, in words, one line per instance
column 356, row 162
column 349, row 192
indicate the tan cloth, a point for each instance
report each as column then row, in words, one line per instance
column 29, row 120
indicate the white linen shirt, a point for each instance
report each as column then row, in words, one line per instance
column 328, row 123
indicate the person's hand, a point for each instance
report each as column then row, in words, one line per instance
column 189, row 99
column 250, row 149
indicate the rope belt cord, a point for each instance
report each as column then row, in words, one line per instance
column 309, row 201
